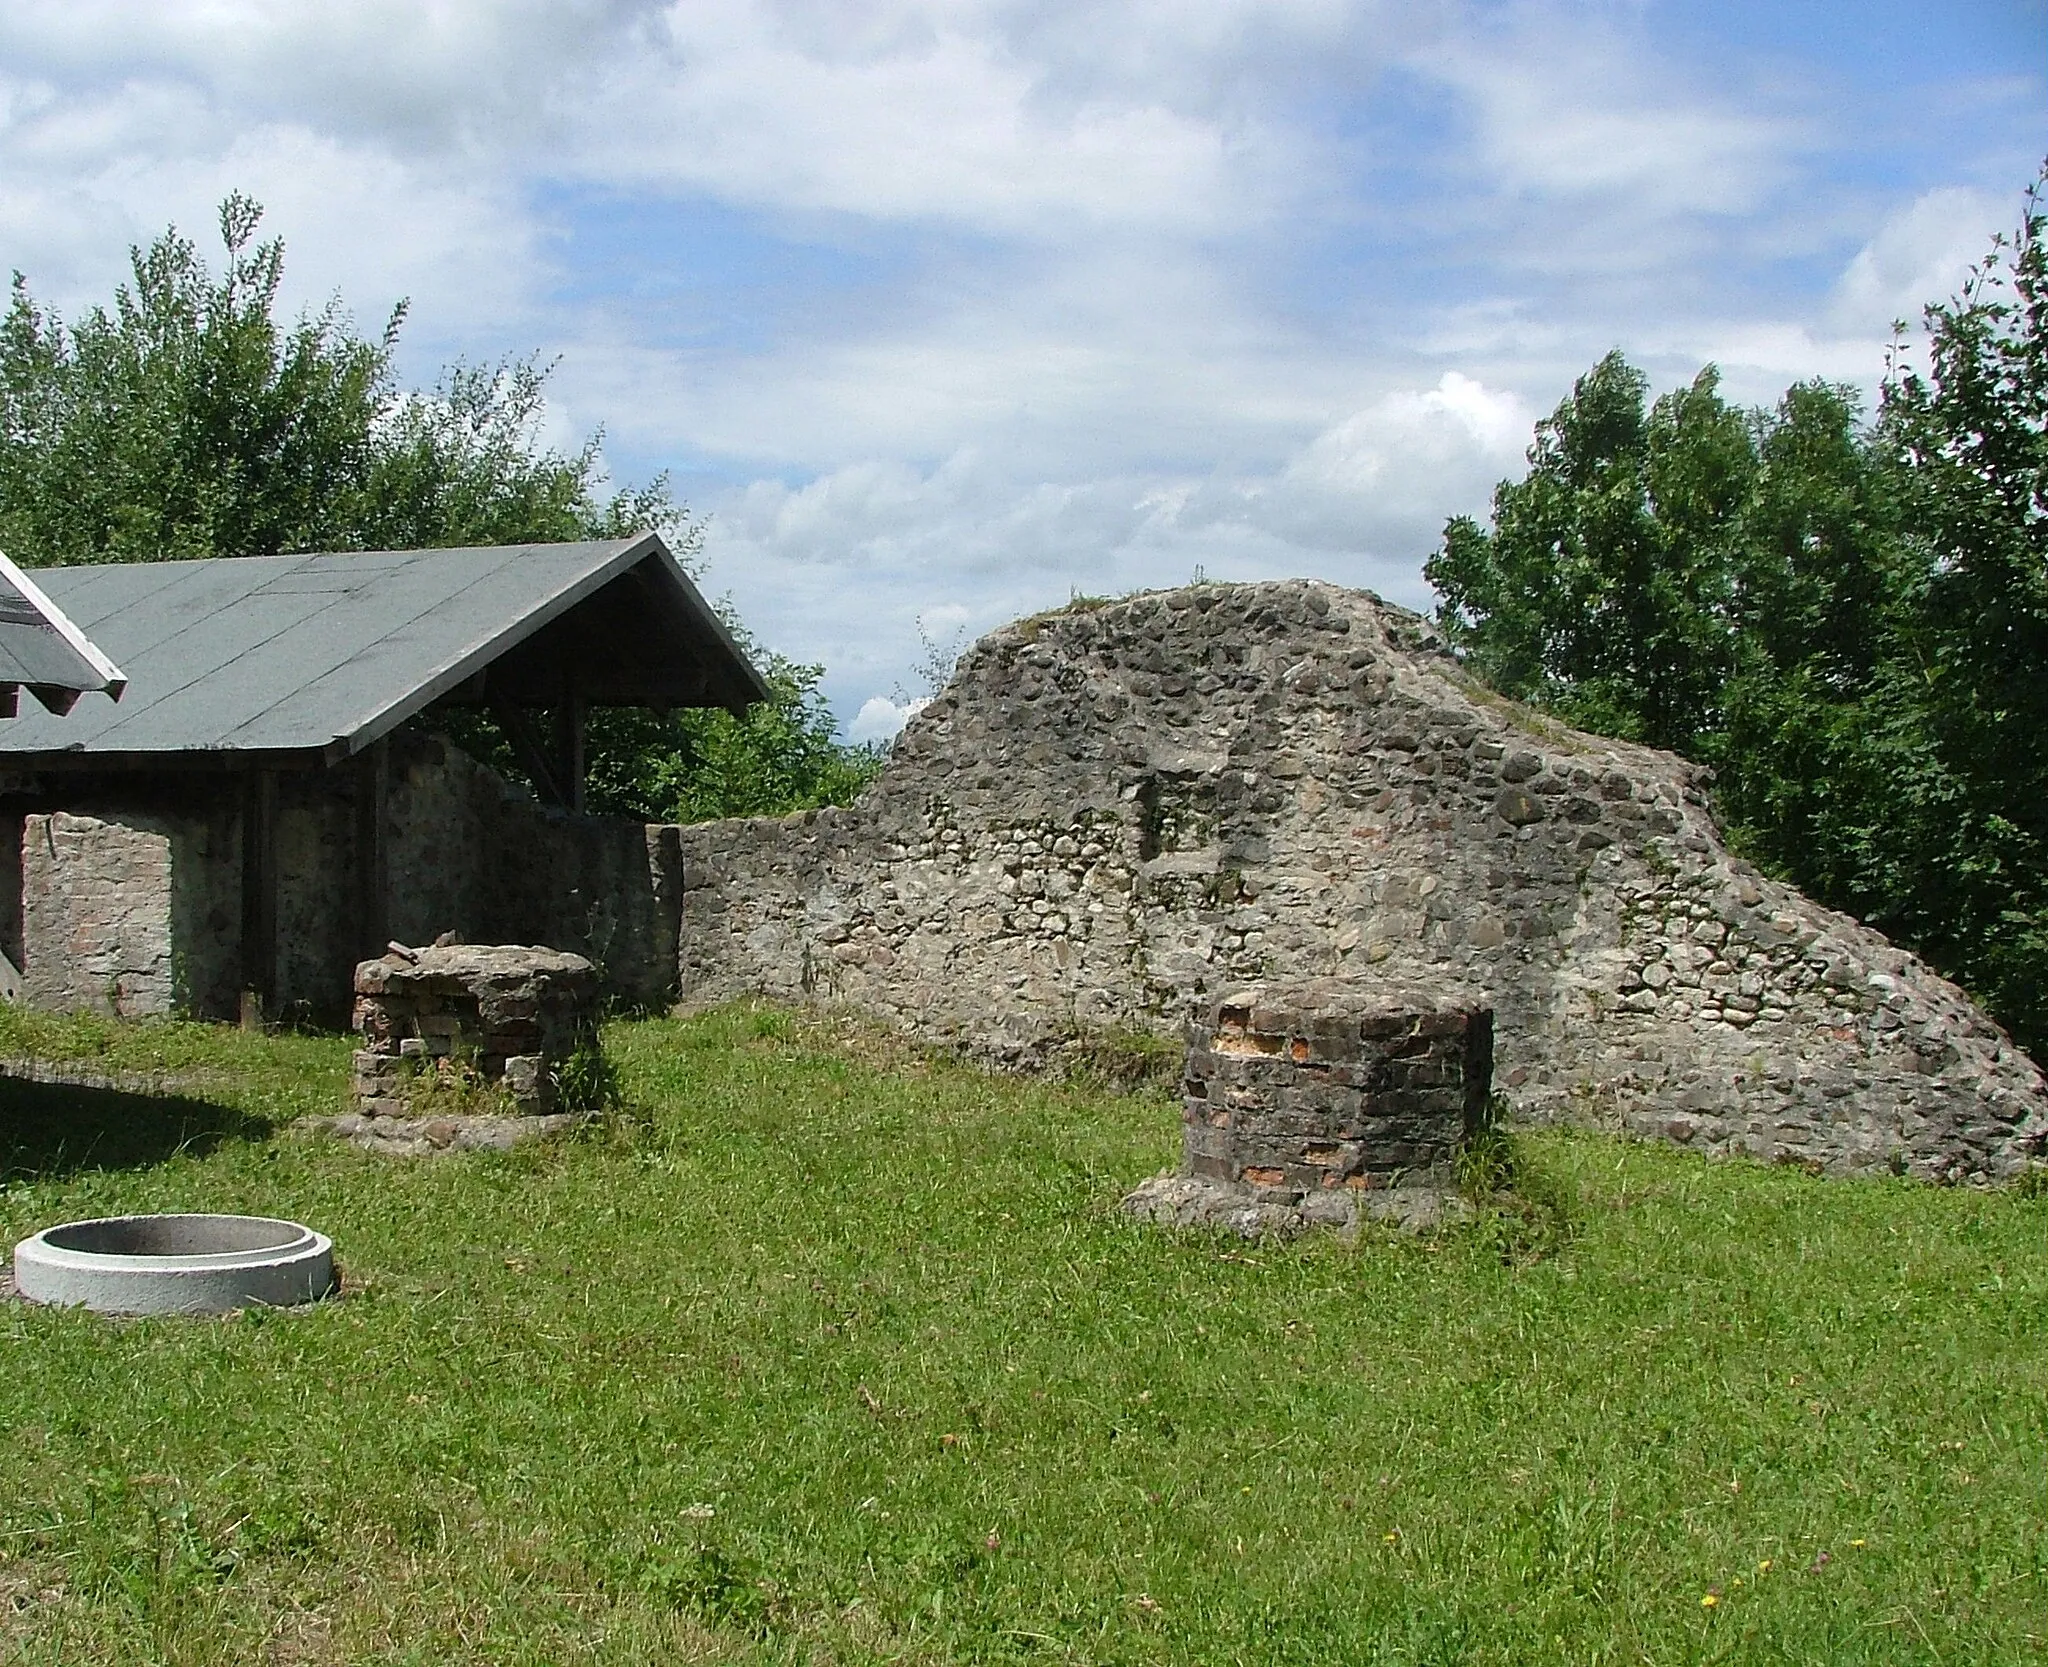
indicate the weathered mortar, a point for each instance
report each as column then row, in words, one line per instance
column 1114, row 814
column 508, row 1016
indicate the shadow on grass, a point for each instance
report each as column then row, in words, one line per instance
column 54, row 1129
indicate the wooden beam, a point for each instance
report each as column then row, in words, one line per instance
column 373, row 850
column 259, row 894
column 571, row 733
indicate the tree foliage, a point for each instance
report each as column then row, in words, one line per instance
column 1604, row 589
column 1965, row 708
column 187, row 420
column 1848, row 620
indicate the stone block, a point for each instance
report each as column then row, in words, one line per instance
column 524, row 1074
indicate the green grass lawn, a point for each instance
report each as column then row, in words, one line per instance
column 811, row 1357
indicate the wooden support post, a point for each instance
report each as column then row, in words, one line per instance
column 569, row 751
column 534, row 758
column 259, row 896
column 373, row 850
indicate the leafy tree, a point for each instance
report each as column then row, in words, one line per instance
column 1850, row 623
column 1604, row 588
column 1968, row 441
column 1824, row 582
column 783, row 755
column 188, row 421
column 462, row 465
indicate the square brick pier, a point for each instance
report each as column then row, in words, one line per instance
column 1318, row 1100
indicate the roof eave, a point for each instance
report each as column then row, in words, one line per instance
column 109, row 678
column 630, row 554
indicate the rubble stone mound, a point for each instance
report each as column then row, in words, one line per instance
column 1118, row 812
column 504, row 1016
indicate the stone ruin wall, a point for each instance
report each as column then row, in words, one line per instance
column 1117, row 812
column 473, row 855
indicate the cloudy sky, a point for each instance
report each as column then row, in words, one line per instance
column 943, row 310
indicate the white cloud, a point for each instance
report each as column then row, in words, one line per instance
column 1405, row 442
column 89, row 176
column 929, row 120
column 1263, row 286
column 1921, row 254
column 1583, row 115
column 1361, row 502
column 976, row 112
column 881, row 719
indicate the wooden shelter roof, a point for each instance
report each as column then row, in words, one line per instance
column 262, row 660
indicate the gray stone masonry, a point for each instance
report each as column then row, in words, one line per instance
column 1307, row 1087
column 505, row 1016
column 1118, row 812
column 96, row 915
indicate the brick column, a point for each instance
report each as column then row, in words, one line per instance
column 1310, row 1087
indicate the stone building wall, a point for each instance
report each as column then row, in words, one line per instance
column 132, row 913
column 132, row 902
column 320, row 929
column 96, row 915
column 470, row 854
column 1116, row 812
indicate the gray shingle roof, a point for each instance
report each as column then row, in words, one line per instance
column 275, row 654
column 40, row 647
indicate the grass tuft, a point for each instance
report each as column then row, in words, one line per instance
column 1522, row 1210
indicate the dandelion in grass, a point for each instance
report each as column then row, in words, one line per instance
column 1711, row 1601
